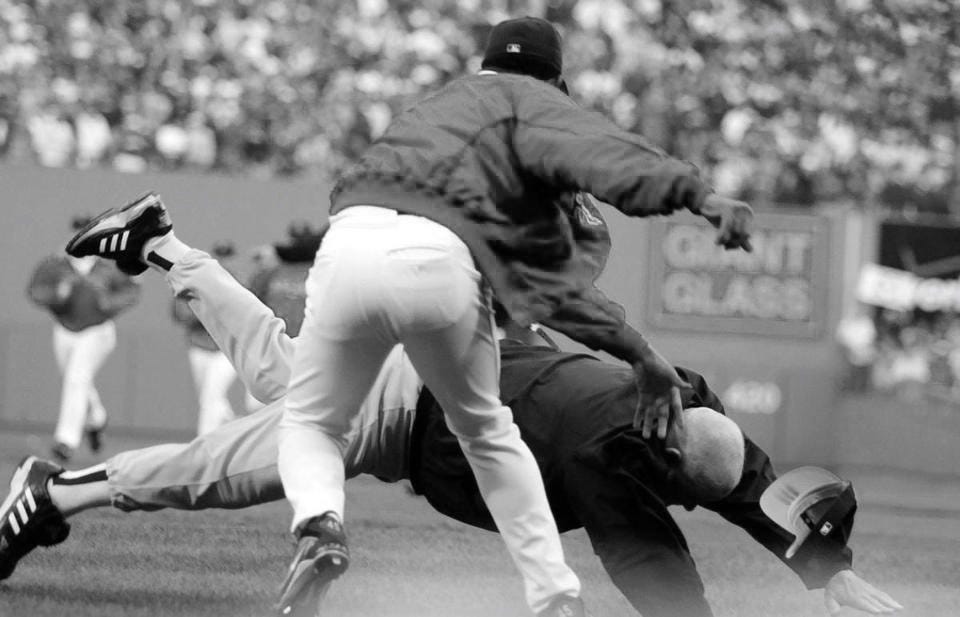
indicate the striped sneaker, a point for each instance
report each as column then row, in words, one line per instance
column 28, row 518
column 120, row 234
column 321, row 557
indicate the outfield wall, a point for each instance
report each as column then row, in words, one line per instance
column 146, row 383
column 760, row 329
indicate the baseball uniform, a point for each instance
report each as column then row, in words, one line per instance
column 83, row 296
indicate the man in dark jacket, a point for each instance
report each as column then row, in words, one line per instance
column 575, row 412
column 475, row 185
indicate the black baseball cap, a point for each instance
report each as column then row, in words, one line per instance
column 527, row 45
column 813, row 504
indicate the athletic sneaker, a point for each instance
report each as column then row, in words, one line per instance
column 28, row 518
column 321, row 557
column 564, row 606
column 120, row 234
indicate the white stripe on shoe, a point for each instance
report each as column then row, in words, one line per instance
column 103, row 244
column 30, row 500
column 13, row 523
column 16, row 484
column 123, row 240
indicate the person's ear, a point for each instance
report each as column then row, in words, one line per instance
column 673, row 456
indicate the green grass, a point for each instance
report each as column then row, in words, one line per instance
column 410, row 561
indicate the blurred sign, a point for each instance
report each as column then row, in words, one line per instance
column 904, row 291
column 778, row 289
column 753, row 397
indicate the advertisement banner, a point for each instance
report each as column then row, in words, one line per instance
column 779, row 289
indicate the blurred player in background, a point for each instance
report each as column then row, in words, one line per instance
column 212, row 372
column 279, row 280
column 83, row 295
column 575, row 411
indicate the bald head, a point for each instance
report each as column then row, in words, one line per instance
column 709, row 450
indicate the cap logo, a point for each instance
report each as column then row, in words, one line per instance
column 513, row 48
column 826, row 529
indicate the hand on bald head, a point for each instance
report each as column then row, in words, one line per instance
column 707, row 448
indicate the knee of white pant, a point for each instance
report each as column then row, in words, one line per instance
column 493, row 425
column 295, row 421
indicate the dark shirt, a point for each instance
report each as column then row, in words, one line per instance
column 94, row 298
column 575, row 412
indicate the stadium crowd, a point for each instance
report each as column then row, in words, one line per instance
column 911, row 354
column 777, row 102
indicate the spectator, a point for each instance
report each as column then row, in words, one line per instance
column 749, row 91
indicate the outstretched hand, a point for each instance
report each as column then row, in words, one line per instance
column 658, row 402
column 732, row 218
column 845, row 588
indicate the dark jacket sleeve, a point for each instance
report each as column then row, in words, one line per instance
column 742, row 506
column 567, row 146
column 599, row 323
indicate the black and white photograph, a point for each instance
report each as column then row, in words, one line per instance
column 473, row 308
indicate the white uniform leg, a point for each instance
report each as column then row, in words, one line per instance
column 80, row 355
column 381, row 278
column 252, row 337
column 213, row 375
column 234, row 466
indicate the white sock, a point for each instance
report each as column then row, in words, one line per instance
column 162, row 252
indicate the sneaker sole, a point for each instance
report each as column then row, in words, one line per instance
column 86, row 231
column 311, row 580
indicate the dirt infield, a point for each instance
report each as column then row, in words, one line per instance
column 410, row 561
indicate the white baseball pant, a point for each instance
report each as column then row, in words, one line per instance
column 212, row 376
column 236, row 465
column 382, row 278
column 79, row 356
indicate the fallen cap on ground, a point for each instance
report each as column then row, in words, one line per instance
column 813, row 504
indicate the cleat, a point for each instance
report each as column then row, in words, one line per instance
column 120, row 234
column 321, row 558
column 564, row 606
column 28, row 518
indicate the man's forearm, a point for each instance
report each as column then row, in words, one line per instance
column 600, row 324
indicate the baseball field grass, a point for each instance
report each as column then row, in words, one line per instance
column 409, row 561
